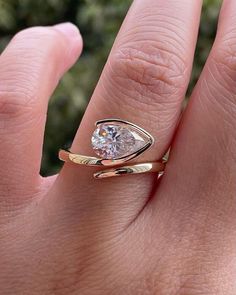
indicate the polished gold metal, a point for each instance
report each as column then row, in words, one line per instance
column 158, row 167
column 67, row 156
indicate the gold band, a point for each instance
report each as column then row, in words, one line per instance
column 157, row 167
column 67, row 156
column 117, row 142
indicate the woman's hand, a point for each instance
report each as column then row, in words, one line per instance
column 130, row 235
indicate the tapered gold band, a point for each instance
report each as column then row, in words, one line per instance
column 67, row 156
column 157, row 167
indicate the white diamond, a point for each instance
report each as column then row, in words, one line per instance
column 111, row 141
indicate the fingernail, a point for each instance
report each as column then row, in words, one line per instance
column 68, row 29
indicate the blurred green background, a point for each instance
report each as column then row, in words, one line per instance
column 99, row 22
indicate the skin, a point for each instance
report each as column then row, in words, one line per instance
column 71, row 234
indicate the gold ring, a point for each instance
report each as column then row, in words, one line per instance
column 116, row 142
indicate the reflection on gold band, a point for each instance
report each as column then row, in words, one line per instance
column 67, row 156
column 157, row 167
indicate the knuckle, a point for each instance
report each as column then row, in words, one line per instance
column 19, row 77
column 17, row 102
column 220, row 88
column 18, row 96
column 224, row 61
column 148, row 71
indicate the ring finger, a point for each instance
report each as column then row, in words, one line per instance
column 144, row 82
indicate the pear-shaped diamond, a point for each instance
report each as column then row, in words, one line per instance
column 113, row 141
column 119, row 141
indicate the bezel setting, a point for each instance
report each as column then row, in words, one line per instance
column 140, row 135
column 136, row 133
column 114, row 138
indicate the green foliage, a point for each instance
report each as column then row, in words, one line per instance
column 99, row 22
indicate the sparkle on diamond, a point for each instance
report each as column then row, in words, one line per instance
column 112, row 141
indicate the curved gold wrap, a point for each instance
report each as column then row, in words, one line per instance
column 117, row 165
column 66, row 156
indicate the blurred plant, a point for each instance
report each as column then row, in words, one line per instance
column 99, row 22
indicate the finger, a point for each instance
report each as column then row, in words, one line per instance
column 30, row 68
column 201, row 175
column 144, row 82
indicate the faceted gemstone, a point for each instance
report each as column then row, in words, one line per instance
column 111, row 141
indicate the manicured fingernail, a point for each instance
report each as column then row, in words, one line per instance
column 68, row 29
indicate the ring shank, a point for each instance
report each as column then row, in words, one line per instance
column 157, row 167
column 67, row 156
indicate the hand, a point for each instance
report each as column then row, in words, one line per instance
column 72, row 234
